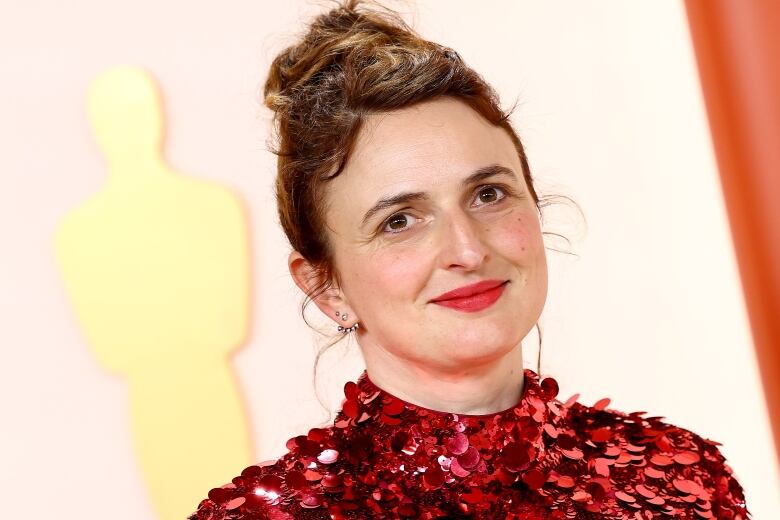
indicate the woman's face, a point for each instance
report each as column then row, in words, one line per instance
column 394, row 257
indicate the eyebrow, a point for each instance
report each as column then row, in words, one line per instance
column 478, row 175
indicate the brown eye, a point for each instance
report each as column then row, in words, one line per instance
column 396, row 223
column 489, row 194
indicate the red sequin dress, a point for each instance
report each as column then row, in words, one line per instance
column 542, row 459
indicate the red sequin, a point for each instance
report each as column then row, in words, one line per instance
column 384, row 458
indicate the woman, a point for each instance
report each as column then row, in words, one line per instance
column 411, row 211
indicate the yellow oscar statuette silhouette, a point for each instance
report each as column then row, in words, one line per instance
column 156, row 266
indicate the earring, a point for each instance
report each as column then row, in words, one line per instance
column 347, row 330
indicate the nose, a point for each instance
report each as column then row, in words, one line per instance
column 462, row 242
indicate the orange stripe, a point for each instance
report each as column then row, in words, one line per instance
column 738, row 53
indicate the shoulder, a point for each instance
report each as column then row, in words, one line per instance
column 648, row 461
column 277, row 489
column 255, row 493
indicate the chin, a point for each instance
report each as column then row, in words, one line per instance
column 493, row 329
column 479, row 341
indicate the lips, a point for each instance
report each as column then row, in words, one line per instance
column 469, row 290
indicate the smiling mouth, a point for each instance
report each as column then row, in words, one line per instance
column 474, row 302
column 468, row 291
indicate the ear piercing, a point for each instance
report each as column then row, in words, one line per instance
column 346, row 330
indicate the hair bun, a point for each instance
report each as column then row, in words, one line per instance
column 355, row 28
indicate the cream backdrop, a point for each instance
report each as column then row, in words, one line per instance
column 650, row 314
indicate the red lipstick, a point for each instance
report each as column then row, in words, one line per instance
column 474, row 297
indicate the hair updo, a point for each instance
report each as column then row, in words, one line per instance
column 354, row 61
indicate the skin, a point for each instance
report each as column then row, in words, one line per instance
column 433, row 356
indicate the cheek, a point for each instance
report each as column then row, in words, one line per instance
column 518, row 236
column 390, row 277
column 519, row 240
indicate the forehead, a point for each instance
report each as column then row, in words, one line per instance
column 429, row 143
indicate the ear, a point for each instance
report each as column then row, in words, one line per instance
column 329, row 301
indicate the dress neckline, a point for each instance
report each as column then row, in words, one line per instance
column 534, row 394
column 451, row 444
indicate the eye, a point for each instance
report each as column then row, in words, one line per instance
column 488, row 194
column 396, row 223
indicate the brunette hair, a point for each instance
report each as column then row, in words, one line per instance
column 355, row 60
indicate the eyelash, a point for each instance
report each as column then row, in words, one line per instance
column 507, row 192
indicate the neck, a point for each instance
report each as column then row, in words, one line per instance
column 474, row 390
